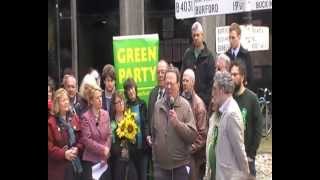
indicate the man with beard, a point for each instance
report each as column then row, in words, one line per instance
column 200, row 114
column 252, row 116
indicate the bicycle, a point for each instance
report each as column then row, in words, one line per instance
column 266, row 109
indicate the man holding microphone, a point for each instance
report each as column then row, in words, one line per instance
column 173, row 131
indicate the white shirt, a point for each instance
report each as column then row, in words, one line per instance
column 235, row 51
column 158, row 97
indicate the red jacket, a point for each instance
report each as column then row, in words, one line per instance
column 57, row 139
column 95, row 137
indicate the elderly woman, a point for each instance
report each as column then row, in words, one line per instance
column 63, row 145
column 143, row 152
column 87, row 82
column 121, row 170
column 96, row 134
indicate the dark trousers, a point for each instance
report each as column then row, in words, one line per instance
column 140, row 160
column 252, row 167
column 69, row 174
column 87, row 172
column 179, row 173
column 197, row 166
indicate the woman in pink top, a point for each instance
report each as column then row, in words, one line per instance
column 96, row 135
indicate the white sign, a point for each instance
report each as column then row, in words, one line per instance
column 253, row 38
column 197, row 8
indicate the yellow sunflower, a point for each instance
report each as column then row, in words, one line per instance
column 122, row 129
column 132, row 130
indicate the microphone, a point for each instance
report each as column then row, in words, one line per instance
column 171, row 102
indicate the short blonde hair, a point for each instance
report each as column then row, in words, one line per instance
column 91, row 91
column 57, row 95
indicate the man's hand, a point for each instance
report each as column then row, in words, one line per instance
column 193, row 148
column 149, row 141
column 173, row 117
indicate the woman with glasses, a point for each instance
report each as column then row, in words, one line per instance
column 121, row 169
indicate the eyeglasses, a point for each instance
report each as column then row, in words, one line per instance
column 121, row 102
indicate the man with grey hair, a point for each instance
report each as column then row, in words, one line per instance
column 229, row 149
column 198, row 107
column 70, row 85
column 200, row 59
column 223, row 63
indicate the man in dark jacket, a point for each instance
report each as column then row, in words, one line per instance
column 251, row 114
column 237, row 52
column 200, row 59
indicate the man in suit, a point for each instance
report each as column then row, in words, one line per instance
column 229, row 148
column 155, row 95
column 236, row 51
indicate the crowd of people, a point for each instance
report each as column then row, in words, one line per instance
column 202, row 121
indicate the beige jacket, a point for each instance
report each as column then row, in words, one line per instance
column 172, row 145
column 230, row 150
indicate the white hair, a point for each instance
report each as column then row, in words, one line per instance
column 196, row 27
column 224, row 57
column 94, row 73
column 87, row 80
column 189, row 72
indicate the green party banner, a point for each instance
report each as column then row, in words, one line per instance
column 136, row 57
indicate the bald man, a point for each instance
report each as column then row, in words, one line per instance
column 200, row 59
column 200, row 114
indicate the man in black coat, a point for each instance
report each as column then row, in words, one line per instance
column 236, row 51
column 200, row 59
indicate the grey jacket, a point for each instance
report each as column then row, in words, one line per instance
column 230, row 150
column 172, row 145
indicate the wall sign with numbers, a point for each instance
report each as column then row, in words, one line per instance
column 197, row 8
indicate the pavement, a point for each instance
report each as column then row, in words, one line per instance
column 264, row 159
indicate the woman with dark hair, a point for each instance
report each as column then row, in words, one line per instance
column 64, row 148
column 121, row 168
column 138, row 106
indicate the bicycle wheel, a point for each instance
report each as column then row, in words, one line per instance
column 267, row 120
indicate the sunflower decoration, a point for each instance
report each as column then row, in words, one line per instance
column 127, row 127
column 121, row 130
